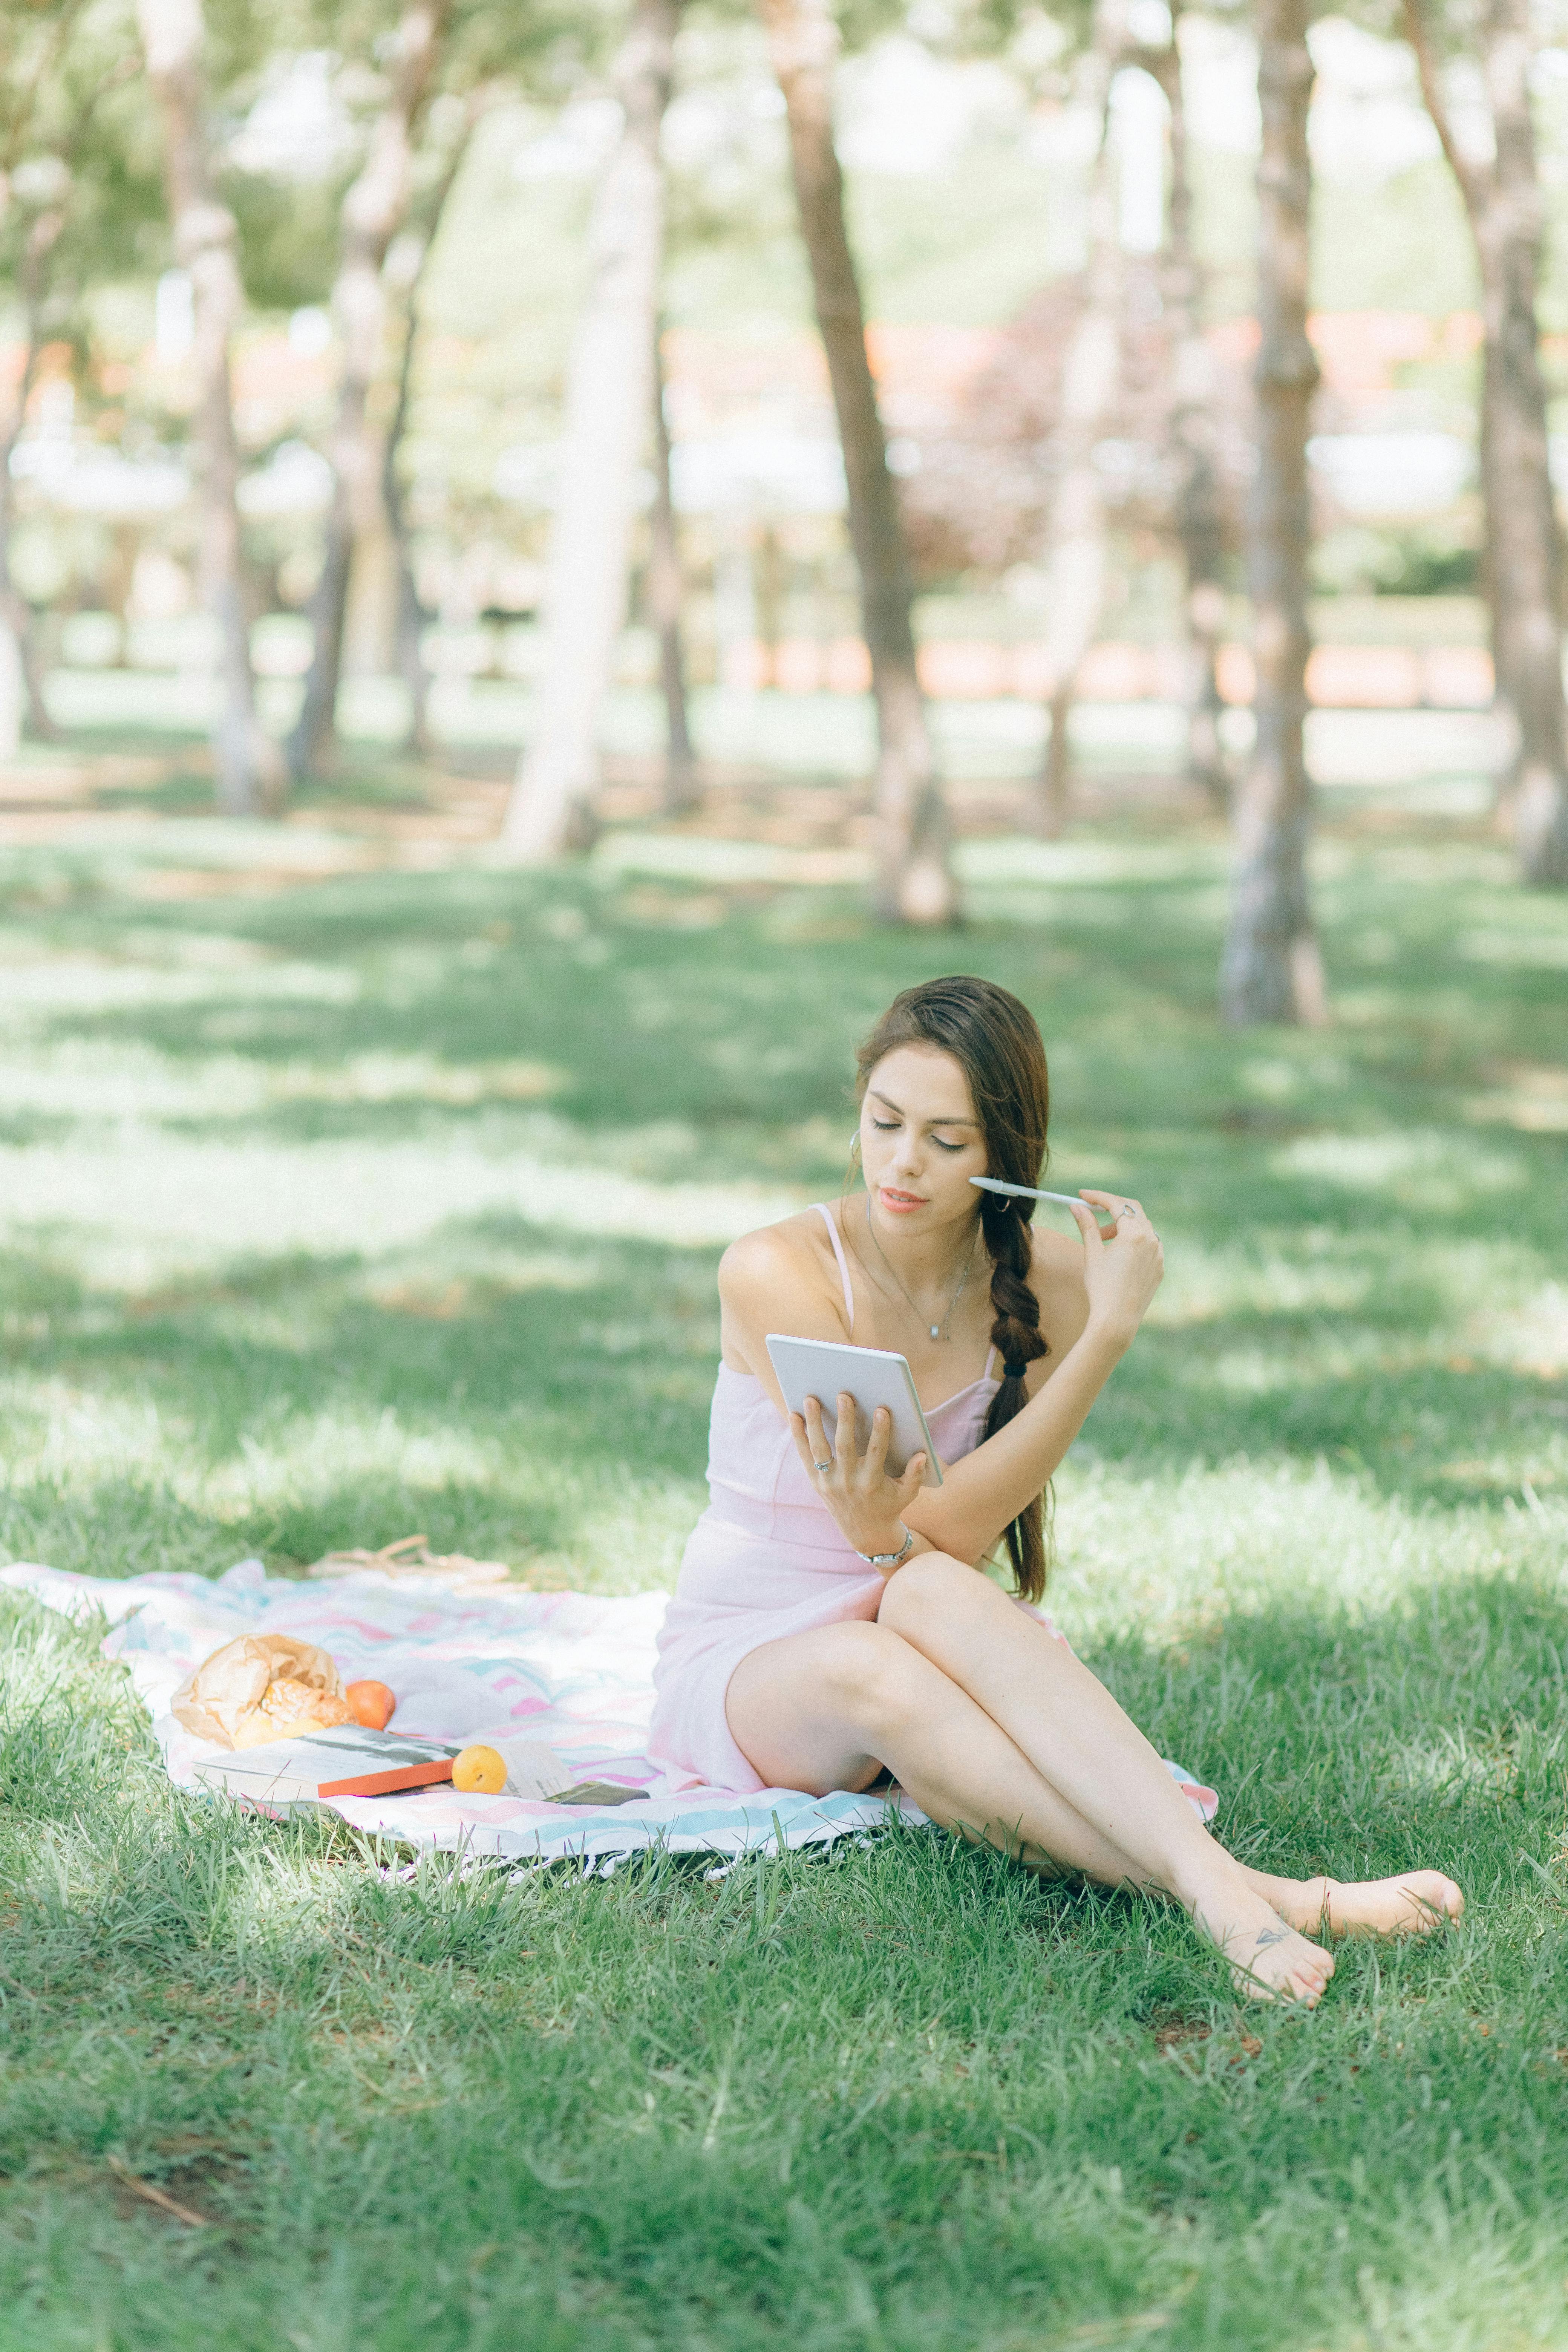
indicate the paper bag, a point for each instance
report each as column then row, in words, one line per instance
column 261, row 1686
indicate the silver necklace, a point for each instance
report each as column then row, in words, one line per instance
column 938, row 1331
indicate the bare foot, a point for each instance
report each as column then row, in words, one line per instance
column 1411, row 1905
column 1268, row 1959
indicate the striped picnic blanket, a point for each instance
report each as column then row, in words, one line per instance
column 567, row 1668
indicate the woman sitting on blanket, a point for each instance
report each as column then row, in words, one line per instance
column 831, row 1620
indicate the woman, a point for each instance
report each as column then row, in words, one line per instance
column 830, row 1621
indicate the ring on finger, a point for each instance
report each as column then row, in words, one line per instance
column 824, row 1466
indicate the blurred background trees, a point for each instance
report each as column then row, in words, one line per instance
column 687, row 401
column 607, row 417
column 1490, row 147
column 1272, row 970
column 78, row 192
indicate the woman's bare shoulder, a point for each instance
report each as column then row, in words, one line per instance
column 792, row 1248
column 781, row 1278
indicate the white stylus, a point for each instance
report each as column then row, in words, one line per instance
column 1028, row 1191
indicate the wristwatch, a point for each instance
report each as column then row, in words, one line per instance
column 892, row 1558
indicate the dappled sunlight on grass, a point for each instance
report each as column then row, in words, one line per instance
column 1204, row 1287
column 1418, row 1169
column 350, row 1203
column 149, row 1205
column 1167, row 1557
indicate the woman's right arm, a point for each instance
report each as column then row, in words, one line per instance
column 767, row 1282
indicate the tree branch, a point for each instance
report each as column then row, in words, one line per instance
column 1471, row 180
column 43, row 80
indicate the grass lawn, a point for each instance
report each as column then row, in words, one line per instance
column 339, row 1208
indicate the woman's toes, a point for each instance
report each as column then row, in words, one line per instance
column 1430, row 1898
column 1411, row 1905
column 1283, row 1965
column 1297, row 1984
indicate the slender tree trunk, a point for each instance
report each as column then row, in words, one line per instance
column 1075, row 548
column 23, row 709
column 412, row 617
column 665, row 600
column 609, row 397
column 411, row 613
column 249, row 766
column 915, row 882
column 373, row 210
column 1523, row 541
column 1200, row 523
column 1272, row 969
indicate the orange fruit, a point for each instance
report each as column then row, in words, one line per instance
column 480, row 1772
column 370, row 1703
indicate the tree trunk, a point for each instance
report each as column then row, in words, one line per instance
column 411, row 616
column 23, row 709
column 914, row 881
column 249, row 766
column 1200, row 524
column 1053, row 793
column 665, row 600
column 1523, row 541
column 1075, row 549
column 373, row 211
column 1272, row 970
column 609, row 399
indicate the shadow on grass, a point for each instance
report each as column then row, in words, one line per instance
column 1361, row 1741
column 706, row 2105
column 650, row 1020
column 488, row 1398
column 905, row 2094
column 501, row 1378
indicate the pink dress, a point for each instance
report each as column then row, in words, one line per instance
column 766, row 1559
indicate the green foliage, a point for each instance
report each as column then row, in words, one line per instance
column 82, row 187
column 1431, row 559
column 287, row 235
column 278, row 1276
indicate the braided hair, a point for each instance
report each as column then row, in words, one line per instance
column 996, row 1042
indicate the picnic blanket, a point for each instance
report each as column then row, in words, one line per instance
column 568, row 1668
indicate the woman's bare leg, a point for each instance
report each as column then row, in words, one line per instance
column 825, row 1709
column 1091, row 1753
column 828, row 1709
column 962, row 1622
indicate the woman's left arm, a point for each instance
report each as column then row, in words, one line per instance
column 982, row 1495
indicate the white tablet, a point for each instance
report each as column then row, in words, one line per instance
column 873, row 1376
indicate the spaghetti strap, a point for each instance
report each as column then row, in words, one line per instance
column 826, row 1215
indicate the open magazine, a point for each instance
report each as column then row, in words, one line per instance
column 347, row 1759
column 350, row 1760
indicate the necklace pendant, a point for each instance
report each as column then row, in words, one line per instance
column 934, row 1332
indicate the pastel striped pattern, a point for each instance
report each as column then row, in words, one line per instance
column 569, row 1668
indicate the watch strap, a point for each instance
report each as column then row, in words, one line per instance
column 890, row 1558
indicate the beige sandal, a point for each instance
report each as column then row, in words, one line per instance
column 411, row 1557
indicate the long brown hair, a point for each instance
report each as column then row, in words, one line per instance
column 996, row 1042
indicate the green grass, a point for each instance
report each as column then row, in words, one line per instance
column 392, row 1201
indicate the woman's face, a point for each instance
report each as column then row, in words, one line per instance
column 920, row 1140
